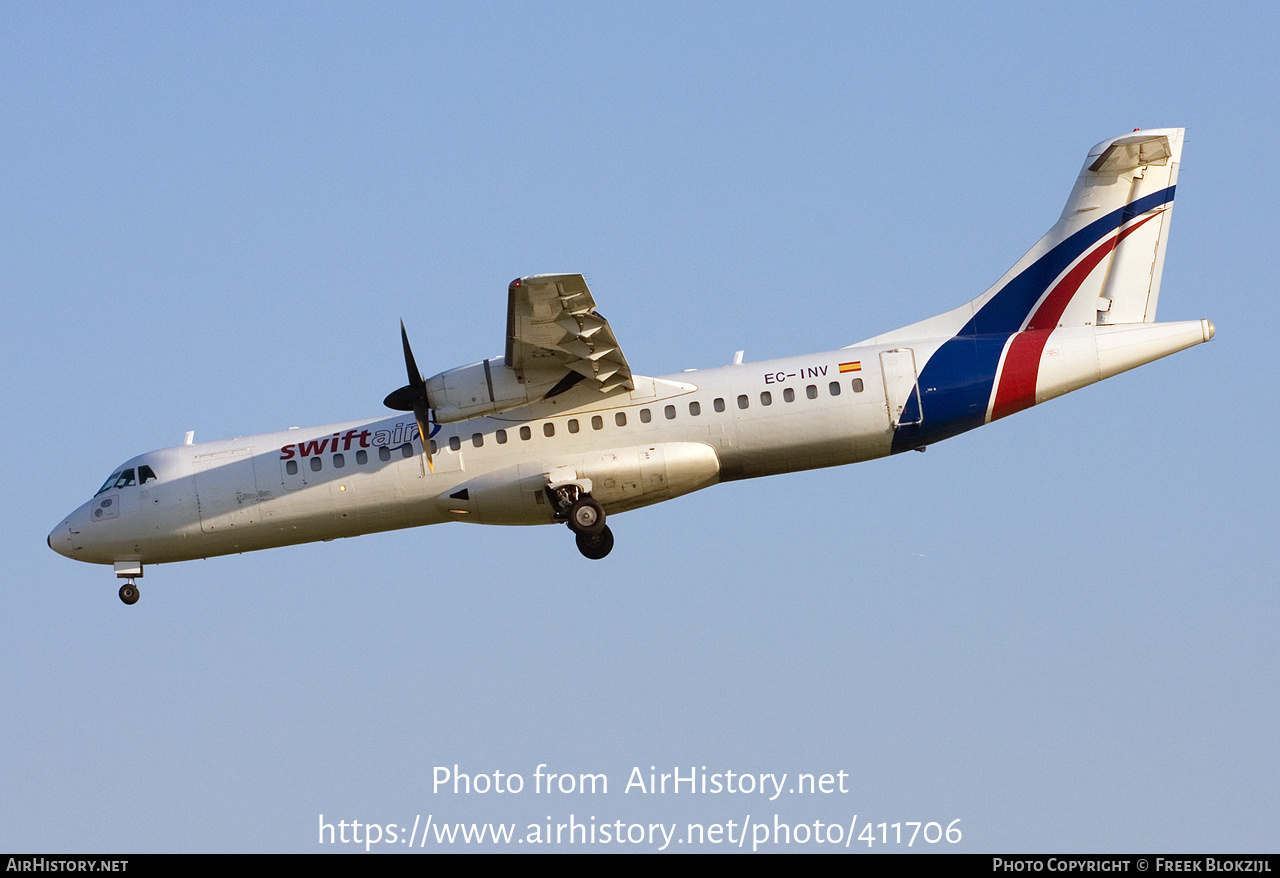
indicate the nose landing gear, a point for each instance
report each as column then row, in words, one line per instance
column 128, row 571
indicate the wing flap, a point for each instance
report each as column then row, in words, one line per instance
column 552, row 322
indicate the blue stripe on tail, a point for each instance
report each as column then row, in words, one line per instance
column 957, row 380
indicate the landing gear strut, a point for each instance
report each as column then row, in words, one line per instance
column 129, row 592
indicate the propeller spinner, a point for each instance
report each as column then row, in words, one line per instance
column 413, row 397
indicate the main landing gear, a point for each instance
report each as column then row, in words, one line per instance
column 129, row 592
column 585, row 517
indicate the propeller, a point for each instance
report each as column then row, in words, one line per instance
column 413, row 397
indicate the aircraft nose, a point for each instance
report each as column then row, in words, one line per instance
column 59, row 539
column 62, row 538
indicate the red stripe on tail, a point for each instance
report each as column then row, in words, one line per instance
column 1017, row 389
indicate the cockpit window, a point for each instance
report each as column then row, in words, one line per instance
column 109, row 483
column 145, row 475
column 122, row 479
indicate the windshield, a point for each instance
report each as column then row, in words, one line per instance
column 109, row 483
column 121, row 479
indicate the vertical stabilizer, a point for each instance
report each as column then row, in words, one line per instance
column 1100, row 263
column 1098, row 267
column 1122, row 172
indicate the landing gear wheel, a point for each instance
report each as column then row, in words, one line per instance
column 586, row 517
column 129, row 593
column 596, row 547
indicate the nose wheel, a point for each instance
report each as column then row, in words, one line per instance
column 129, row 593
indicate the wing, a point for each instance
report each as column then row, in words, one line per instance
column 552, row 325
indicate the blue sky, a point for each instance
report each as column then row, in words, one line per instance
column 1059, row 629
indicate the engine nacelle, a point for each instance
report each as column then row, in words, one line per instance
column 483, row 388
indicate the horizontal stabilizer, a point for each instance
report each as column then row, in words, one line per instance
column 1128, row 153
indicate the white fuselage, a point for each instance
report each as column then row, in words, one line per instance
column 668, row 437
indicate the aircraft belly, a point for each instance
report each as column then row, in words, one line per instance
column 620, row 479
column 511, row 494
column 649, row 474
column 836, row 435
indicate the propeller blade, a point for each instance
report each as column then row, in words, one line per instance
column 413, row 397
column 424, row 433
column 415, row 377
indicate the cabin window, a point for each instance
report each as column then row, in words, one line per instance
column 857, row 385
column 406, row 450
column 573, row 425
column 743, row 402
column 291, row 467
column 316, row 463
column 434, row 447
column 835, row 388
column 645, row 416
column 597, row 422
column 670, row 412
column 362, row 456
column 695, row 408
column 548, row 429
column 788, row 395
column 766, row 398
column 455, row 444
column 718, row 404
column 501, row 436
column 620, row 419
column 526, row 433
column 339, row 461
column 145, row 475
column 384, row 453
column 477, row 439
column 811, row 391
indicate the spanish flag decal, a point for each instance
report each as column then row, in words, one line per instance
column 855, row 366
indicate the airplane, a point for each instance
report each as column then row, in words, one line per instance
column 558, row 429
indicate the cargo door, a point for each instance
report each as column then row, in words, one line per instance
column 901, row 391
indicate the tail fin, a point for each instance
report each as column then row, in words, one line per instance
column 1101, row 262
column 1100, row 265
column 1122, row 174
